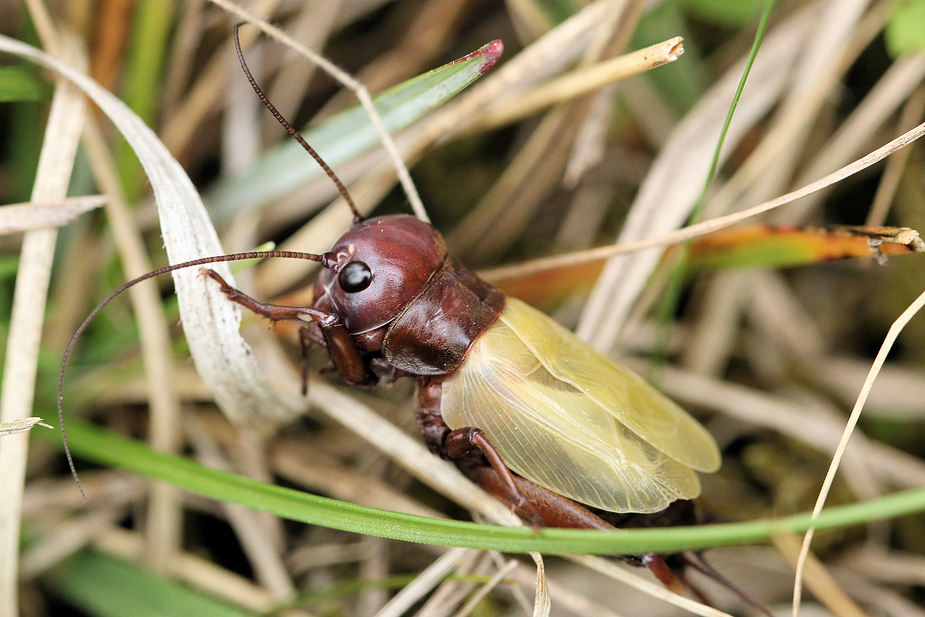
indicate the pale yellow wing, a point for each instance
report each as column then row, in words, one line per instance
column 575, row 436
column 624, row 394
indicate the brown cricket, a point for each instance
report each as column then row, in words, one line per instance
column 523, row 408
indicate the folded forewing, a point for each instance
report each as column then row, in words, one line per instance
column 558, row 434
column 622, row 393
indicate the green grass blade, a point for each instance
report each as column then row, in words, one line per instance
column 672, row 294
column 286, row 167
column 107, row 586
column 143, row 76
column 107, row 448
column 19, row 84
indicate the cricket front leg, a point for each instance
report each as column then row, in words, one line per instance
column 340, row 344
column 273, row 312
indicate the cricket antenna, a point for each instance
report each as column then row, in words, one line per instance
column 99, row 307
column 357, row 217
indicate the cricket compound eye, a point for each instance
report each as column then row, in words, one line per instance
column 355, row 276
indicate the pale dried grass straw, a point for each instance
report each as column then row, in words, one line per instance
column 17, row 392
column 485, row 589
column 21, row 426
column 345, row 79
column 16, row 218
column 424, row 583
column 449, row 594
column 885, row 348
column 564, row 595
column 675, row 180
column 692, row 231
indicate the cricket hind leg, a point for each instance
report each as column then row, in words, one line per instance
column 467, row 443
column 558, row 511
column 553, row 509
column 696, row 560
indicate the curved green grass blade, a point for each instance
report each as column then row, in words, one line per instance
column 286, row 167
column 107, row 448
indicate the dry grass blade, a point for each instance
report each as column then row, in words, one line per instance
column 579, row 82
column 424, row 583
column 21, row 364
column 451, row 593
column 818, row 579
column 542, row 604
column 616, row 572
column 888, row 341
column 675, row 180
column 211, row 323
column 495, row 580
column 562, row 596
column 24, row 217
column 21, row 426
column 698, row 229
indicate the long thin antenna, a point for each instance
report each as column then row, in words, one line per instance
column 279, row 118
column 99, row 307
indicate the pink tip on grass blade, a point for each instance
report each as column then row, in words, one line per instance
column 489, row 53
